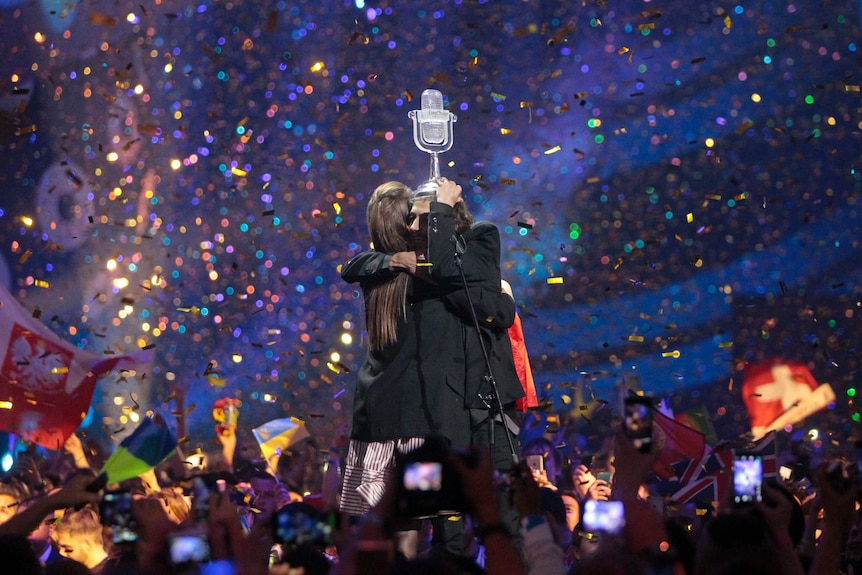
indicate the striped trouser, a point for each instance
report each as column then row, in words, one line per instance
column 367, row 471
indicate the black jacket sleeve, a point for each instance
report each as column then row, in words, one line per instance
column 368, row 267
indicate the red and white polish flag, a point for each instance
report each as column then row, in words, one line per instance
column 46, row 384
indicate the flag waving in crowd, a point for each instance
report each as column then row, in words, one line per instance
column 778, row 393
column 46, row 384
column 151, row 443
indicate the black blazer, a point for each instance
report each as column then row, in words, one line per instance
column 480, row 263
column 425, row 383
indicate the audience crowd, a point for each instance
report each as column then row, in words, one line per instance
column 593, row 515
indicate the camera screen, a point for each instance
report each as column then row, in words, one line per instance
column 604, row 516
column 299, row 528
column 638, row 423
column 747, row 478
column 115, row 511
column 423, row 476
column 189, row 548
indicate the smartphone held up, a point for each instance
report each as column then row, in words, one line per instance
column 747, row 478
column 638, row 422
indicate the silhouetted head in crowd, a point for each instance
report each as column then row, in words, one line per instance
column 738, row 542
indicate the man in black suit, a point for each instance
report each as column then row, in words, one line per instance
column 431, row 380
column 461, row 250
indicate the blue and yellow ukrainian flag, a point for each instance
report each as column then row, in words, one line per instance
column 147, row 446
column 279, row 434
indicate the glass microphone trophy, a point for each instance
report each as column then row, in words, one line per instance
column 432, row 128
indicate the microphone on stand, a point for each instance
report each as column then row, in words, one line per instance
column 433, row 128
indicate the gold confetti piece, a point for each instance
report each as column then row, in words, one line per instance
column 526, row 104
column 593, row 180
column 193, row 309
column 742, row 196
column 508, row 182
column 744, row 127
column 649, row 26
column 25, row 256
column 57, row 370
column 847, row 88
column 689, row 217
column 623, row 50
column 675, row 353
column 497, row 96
column 553, row 150
column 557, row 280
column 636, row 338
column 725, row 344
column 21, row 131
column 102, row 19
column 728, row 23
column 713, row 197
column 506, row 131
column 5, row 405
column 238, row 172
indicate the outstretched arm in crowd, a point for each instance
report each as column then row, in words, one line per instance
column 838, row 508
column 778, row 516
column 72, row 494
column 644, row 527
column 477, row 482
column 75, row 448
column 331, row 486
column 541, row 552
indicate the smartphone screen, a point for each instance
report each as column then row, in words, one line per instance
column 423, row 476
column 747, row 478
column 115, row 511
column 604, row 516
column 187, row 548
column 638, row 422
column 297, row 527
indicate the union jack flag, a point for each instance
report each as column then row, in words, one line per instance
column 709, row 478
column 706, row 479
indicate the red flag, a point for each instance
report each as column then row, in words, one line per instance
column 46, row 384
column 676, row 442
column 522, row 366
column 778, row 393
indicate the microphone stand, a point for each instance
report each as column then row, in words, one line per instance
column 495, row 406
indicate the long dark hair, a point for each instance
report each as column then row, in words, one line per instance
column 387, row 214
